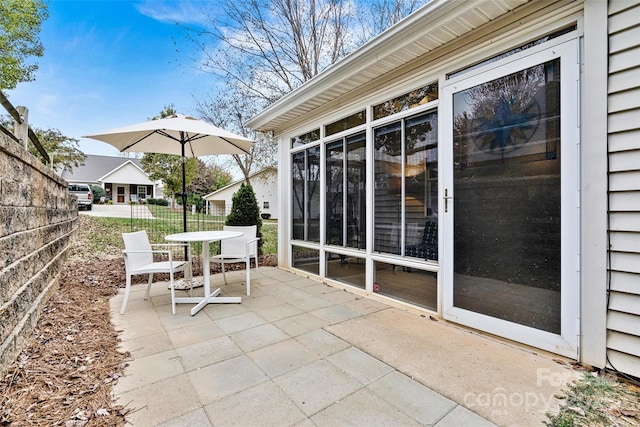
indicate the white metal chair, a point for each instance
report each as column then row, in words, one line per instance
column 139, row 259
column 239, row 249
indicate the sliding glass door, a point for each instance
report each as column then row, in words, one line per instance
column 510, row 200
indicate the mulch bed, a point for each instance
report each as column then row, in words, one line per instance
column 65, row 374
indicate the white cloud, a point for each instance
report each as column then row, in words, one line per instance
column 171, row 12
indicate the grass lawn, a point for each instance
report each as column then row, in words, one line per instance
column 107, row 232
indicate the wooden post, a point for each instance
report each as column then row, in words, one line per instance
column 22, row 129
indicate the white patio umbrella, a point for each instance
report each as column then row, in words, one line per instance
column 180, row 135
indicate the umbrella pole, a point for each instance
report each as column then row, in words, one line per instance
column 184, row 196
column 184, row 191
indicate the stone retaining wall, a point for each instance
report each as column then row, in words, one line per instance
column 37, row 222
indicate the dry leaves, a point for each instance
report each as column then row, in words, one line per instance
column 65, row 374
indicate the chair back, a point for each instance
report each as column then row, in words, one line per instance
column 238, row 245
column 137, row 241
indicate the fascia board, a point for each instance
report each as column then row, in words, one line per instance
column 414, row 26
column 111, row 172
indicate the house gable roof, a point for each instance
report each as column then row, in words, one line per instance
column 211, row 196
column 129, row 173
column 430, row 28
column 126, row 165
column 96, row 167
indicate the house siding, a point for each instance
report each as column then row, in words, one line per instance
column 264, row 184
column 623, row 311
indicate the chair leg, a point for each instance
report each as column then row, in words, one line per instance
column 146, row 294
column 127, row 288
column 223, row 273
column 248, row 273
column 190, row 270
column 173, row 293
column 256, row 258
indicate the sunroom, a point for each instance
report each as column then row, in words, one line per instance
column 438, row 167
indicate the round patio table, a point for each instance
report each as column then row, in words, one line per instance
column 205, row 237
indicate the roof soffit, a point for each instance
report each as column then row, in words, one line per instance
column 432, row 27
column 535, row 17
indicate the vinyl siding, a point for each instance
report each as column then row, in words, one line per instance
column 623, row 316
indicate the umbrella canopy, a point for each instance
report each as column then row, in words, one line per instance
column 178, row 134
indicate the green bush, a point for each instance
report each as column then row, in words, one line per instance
column 245, row 211
column 159, row 202
column 195, row 199
column 98, row 193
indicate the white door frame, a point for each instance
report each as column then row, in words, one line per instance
column 124, row 194
column 567, row 342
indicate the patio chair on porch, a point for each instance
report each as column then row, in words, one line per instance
column 139, row 259
column 427, row 249
column 239, row 249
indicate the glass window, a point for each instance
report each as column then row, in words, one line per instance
column 352, row 121
column 298, row 195
column 388, row 188
column 346, row 269
column 142, row 192
column 335, row 197
column 308, row 137
column 406, row 284
column 406, row 187
column 404, row 102
column 421, row 187
column 265, row 205
column 306, row 195
column 346, row 210
column 306, row 259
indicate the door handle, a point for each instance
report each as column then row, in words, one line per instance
column 446, row 199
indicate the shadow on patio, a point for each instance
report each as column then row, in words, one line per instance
column 299, row 352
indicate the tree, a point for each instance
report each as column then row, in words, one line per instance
column 263, row 50
column 20, row 22
column 245, row 211
column 228, row 111
column 208, row 178
column 168, row 169
column 382, row 14
column 61, row 149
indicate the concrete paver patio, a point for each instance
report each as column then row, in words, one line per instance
column 298, row 352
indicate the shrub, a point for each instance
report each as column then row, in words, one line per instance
column 245, row 211
column 159, row 202
column 195, row 199
column 98, row 192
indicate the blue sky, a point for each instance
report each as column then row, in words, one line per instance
column 109, row 64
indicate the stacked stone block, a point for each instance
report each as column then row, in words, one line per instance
column 37, row 222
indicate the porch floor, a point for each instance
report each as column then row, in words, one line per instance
column 299, row 352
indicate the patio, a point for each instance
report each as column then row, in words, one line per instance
column 300, row 352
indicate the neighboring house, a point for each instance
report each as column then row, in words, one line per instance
column 478, row 161
column 122, row 178
column 265, row 187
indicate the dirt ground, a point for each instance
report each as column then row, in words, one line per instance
column 65, row 374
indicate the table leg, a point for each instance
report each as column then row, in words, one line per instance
column 210, row 297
